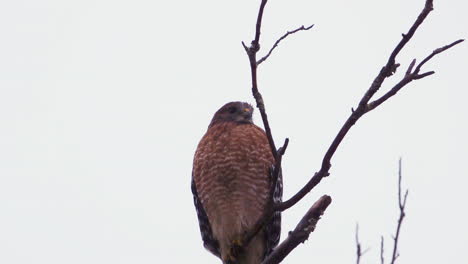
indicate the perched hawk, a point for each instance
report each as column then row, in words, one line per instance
column 231, row 185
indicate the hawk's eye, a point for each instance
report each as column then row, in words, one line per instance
column 232, row 109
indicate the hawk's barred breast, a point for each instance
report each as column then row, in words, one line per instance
column 231, row 183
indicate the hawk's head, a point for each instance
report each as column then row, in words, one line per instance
column 238, row 112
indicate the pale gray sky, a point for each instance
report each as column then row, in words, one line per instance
column 102, row 104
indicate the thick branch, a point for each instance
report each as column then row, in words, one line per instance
column 401, row 206
column 301, row 232
column 391, row 67
column 437, row 51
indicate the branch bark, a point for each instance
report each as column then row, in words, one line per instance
column 382, row 260
column 301, row 232
column 364, row 106
column 401, row 206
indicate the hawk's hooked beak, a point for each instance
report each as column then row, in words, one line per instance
column 247, row 114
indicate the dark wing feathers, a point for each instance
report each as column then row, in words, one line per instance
column 205, row 228
column 273, row 227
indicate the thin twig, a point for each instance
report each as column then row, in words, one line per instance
column 280, row 39
column 359, row 252
column 358, row 246
column 390, row 67
column 401, row 205
column 301, row 232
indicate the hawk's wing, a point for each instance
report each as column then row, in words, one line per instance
column 205, row 228
column 273, row 228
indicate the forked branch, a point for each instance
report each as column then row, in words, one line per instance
column 401, row 205
column 364, row 106
column 410, row 75
column 359, row 251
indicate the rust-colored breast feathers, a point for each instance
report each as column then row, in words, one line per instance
column 231, row 174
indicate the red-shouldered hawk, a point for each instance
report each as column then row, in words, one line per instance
column 231, row 185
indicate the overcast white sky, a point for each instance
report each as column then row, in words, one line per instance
column 102, row 104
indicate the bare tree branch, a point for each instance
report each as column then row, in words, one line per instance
column 252, row 54
column 364, row 106
column 301, row 232
column 410, row 76
column 401, row 205
column 280, row 39
column 391, row 67
column 358, row 246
